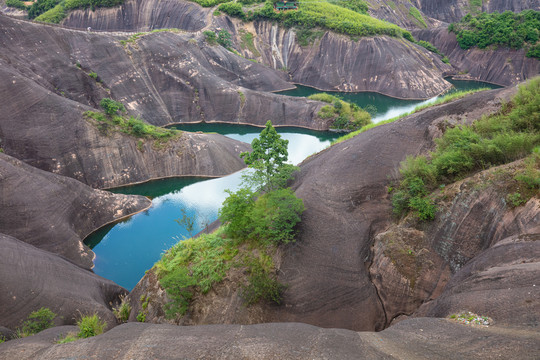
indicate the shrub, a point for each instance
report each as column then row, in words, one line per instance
column 210, row 37
column 54, row 15
column 37, row 321
column 232, row 9
column 89, row 326
column 415, row 13
column 224, row 39
column 93, row 75
column 261, row 284
column 141, row 316
column 123, row 311
column 111, row 107
column 41, row 6
column 18, row 4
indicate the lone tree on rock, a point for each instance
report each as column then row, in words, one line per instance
column 268, row 159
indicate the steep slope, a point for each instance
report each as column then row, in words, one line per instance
column 501, row 66
column 411, row 339
column 55, row 213
column 32, row 278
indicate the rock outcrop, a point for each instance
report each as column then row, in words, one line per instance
column 411, row 339
column 502, row 66
column 55, row 213
column 32, row 278
column 137, row 15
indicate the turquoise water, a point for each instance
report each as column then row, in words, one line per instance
column 387, row 107
column 125, row 250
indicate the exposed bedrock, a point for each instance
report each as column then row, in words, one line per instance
column 411, row 339
column 501, row 282
column 453, row 10
column 32, row 278
column 503, row 66
column 141, row 15
column 54, row 213
column 383, row 64
column 413, row 265
column 327, row 269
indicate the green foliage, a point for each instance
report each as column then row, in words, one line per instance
column 515, row 199
column 358, row 6
column 122, row 311
column 93, row 75
column 37, row 321
column 307, row 36
column 18, row 4
column 89, row 326
column 111, row 107
column 210, row 37
column 84, row 4
column 54, row 15
column 262, row 284
column 415, row 13
column 224, row 39
column 530, row 176
column 347, row 116
column 232, row 9
column 534, row 51
column 41, row 6
column 134, row 127
column 497, row 139
column 515, row 30
column 209, row 3
column 269, row 154
column 141, row 316
column 67, row 339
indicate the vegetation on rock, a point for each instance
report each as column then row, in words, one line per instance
column 54, row 11
column 508, row 135
column 37, row 321
column 346, row 116
column 515, row 30
column 256, row 219
column 110, row 121
column 90, row 325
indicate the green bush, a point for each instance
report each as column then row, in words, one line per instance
column 37, row 321
column 210, row 37
column 415, row 14
column 54, row 15
column 18, row 4
column 111, row 107
column 209, row 3
column 84, row 4
column 514, row 30
column 89, row 326
column 347, row 116
column 233, row 9
column 41, row 6
column 497, row 139
column 262, row 284
column 141, row 316
column 123, row 311
column 224, row 39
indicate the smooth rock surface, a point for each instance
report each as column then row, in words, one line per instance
column 32, row 278
column 55, row 213
column 411, row 339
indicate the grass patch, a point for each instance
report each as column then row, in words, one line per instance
column 511, row 134
column 416, row 15
column 469, row 318
column 134, row 127
column 246, row 42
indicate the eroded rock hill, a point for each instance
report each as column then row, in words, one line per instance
column 502, row 66
column 33, row 278
column 411, row 339
column 55, row 213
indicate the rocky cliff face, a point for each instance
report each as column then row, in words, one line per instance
column 196, row 82
column 502, row 66
column 138, row 15
column 55, row 213
column 454, row 10
column 33, row 278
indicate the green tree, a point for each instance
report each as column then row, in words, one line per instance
column 224, row 39
column 268, row 158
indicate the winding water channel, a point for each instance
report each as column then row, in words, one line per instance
column 125, row 250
